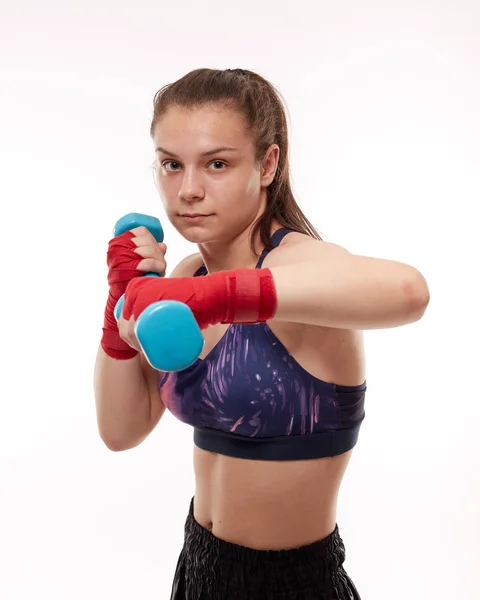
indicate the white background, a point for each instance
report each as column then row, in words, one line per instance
column 384, row 102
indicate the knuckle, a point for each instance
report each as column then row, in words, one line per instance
column 145, row 265
column 156, row 265
column 148, row 251
column 152, row 264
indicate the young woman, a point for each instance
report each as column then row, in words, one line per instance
column 276, row 398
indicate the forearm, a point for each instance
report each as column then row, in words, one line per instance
column 350, row 293
column 123, row 404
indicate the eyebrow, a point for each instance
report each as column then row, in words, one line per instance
column 207, row 153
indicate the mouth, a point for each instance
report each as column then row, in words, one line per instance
column 194, row 217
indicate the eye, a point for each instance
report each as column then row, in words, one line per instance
column 174, row 164
column 218, row 163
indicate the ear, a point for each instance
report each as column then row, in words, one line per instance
column 269, row 165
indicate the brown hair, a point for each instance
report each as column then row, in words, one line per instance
column 263, row 109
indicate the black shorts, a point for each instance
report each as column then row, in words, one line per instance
column 211, row 569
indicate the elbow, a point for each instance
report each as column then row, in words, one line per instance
column 120, row 445
column 115, row 442
column 115, row 446
column 417, row 296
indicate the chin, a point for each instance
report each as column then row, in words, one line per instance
column 195, row 237
column 208, row 231
column 196, row 234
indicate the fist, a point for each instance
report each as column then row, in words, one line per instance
column 144, row 291
column 151, row 251
column 205, row 296
column 130, row 255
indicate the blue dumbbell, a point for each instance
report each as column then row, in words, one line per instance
column 167, row 331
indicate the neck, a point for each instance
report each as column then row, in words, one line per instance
column 235, row 254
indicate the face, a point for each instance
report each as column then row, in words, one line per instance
column 206, row 173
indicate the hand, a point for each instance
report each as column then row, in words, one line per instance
column 143, row 291
column 151, row 251
column 129, row 255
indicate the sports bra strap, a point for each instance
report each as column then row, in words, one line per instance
column 201, row 271
column 276, row 238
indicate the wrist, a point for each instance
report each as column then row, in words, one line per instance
column 111, row 342
column 245, row 295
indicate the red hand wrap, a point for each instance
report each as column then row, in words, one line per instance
column 240, row 296
column 122, row 262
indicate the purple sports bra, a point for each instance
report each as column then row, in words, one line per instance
column 249, row 398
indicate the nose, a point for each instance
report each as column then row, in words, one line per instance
column 191, row 188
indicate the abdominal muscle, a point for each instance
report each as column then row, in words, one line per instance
column 267, row 505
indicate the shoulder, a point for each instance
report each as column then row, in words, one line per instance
column 187, row 266
column 299, row 246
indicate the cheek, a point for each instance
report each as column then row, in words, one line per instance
column 165, row 190
column 252, row 194
column 239, row 197
column 247, row 188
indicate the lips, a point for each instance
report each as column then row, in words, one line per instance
column 194, row 217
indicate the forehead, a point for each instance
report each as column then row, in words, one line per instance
column 201, row 127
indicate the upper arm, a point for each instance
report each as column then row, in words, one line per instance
column 151, row 379
column 319, row 259
column 185, row 268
